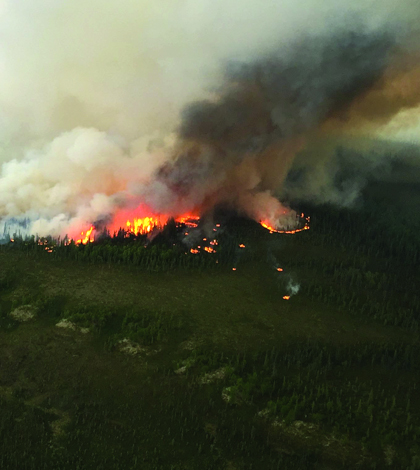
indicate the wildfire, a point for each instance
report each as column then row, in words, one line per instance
column 140, row 225
column 286, row 297
column 188, row 220
column 279, row 270
column 194, row 251
column 151, row 222
column 266, row 224
column 143, row 221
column 86, row 238
column 144, row 225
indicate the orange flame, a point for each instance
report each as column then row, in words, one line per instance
column 279, row 270
column 189, row 220
column 142, row 226
column 147, row 224
column 86, row 238
column 266, row 224
column 286, row 297
column 143, row 220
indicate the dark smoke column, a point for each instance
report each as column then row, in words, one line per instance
column 242, row 143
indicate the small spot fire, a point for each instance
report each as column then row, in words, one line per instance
column 292, row 288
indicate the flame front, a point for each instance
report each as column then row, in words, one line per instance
column 141, row 226
column 269, row 226
column 86, row 238
column 189, row 220
column 145, row 225
column 149, row 223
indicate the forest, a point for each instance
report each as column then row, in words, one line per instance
column 142, row 354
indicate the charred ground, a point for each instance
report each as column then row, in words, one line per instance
column 188, row 364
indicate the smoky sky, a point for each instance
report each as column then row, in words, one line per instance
column 185, row 105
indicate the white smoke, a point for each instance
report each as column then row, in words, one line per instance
column 82, row 175
column 292, row 288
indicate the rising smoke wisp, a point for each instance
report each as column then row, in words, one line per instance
column 182, row 107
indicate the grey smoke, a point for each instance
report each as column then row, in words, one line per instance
column 340, row 176
column 291, row 92
column 266, row 109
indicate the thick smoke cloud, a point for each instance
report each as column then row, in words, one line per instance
column 268, row 107
column 185, row 104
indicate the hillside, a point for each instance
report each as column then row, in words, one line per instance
column 200, row 366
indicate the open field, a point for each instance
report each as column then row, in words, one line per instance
column 211, row 368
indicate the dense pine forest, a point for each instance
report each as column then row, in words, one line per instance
column 136, row 353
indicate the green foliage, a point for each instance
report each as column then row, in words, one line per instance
column 147, row 327
column 9, row 278
column 141, row 325
column 32, row 425
column 309, row 383
column 92, row 317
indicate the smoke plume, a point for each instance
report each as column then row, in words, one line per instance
column 292, row 288
column 180, row 106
